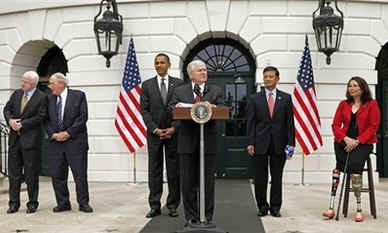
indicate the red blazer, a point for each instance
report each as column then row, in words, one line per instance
column 367, row 117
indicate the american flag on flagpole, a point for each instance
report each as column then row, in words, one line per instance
column 306, row 115
column 129, row 122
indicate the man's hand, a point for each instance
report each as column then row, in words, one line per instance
column 251, row 150
column 61, row 136
column 158, row 132
column 55, row 136
column 167, row 133
column 15, row 124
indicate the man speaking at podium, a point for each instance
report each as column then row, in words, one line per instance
column 188, row 142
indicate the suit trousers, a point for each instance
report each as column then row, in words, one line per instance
column 190, row 185
column 78, row 163
column 156, row 147
column 29, row 160
column 276, row 164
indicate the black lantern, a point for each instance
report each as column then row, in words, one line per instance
column 328, row 28
column 108, row 30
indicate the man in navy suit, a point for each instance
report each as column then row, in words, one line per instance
column 161, row 137
column 270, row 129
column 66, row 128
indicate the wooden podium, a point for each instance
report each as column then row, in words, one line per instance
column 217, row 113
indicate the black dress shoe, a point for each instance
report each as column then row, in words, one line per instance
column 262, row 212
column 12, row 209
column 172, row 213
column 276, row 213
column 191, row 222
column 153, row 213
column 31, row 209
column 58, row 209
column 85, row 208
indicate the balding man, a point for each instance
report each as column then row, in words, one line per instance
column 66, row 128
column 24, row 113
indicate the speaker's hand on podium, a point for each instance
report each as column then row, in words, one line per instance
column 183, row 105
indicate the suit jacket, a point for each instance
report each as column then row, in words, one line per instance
column 155, row 113
column 188, row 135
column 74, row 122
column 367, row 117
column 31, row 118
column 261, row 127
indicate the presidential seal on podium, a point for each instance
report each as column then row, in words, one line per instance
column 201, row 112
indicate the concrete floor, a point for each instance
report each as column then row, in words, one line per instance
column 120, row 208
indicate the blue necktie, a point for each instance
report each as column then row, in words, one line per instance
column 59, row 112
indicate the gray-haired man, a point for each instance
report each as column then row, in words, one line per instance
column 24, row 113
column 66, row 127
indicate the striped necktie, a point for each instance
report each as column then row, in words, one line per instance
column 59, row 112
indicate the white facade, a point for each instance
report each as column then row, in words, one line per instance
column 273, row 31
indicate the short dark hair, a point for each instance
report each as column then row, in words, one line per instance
column 271, row 68
column 366, row 94
column 163, row 55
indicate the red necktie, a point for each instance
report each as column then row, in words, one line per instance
column 198, row 94
column 271, row 103
column 197, row 99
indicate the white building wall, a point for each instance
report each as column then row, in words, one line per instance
column 273, row 31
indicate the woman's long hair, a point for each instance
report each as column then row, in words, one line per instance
column 366, row 94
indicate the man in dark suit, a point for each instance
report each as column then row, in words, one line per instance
column 270, row 129
column 24, row 113
column 188, row 142
column 66, row 128
column 161, row 137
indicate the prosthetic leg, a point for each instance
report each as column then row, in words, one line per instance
column 357, row 186
column 334, row 185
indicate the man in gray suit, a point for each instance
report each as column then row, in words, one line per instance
column 188, row 142
column 161, row 137
column 66, row 128
column 24, row 113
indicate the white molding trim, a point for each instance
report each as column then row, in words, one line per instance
column 14, row 6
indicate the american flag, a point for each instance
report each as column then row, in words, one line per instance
column 307, row 120
column 129, row 122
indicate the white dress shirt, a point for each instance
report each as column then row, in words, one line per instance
column 273, row 94
column 63, row 97
column 30, row 93
column 159, row 78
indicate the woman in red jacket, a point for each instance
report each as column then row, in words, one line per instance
column 354, row 127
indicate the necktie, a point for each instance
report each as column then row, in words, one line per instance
column 59, row 112
column 271, row 103
column 163, row 91
column 197, row 91
column 24, row 102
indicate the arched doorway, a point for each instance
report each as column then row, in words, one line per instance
column 232, row 68
column 45, row 58
column 52, row 61
column 382, row 99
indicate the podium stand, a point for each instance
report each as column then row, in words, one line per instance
column 201, row 113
